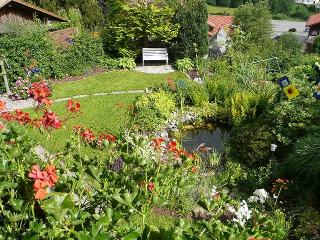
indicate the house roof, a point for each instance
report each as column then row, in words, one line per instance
column 39, row 10
column 217, row 22
column 313, row 20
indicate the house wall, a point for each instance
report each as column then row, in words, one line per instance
column 15, row 14
column 314, row 30
column 308, row 2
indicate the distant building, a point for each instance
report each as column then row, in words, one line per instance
column 308, row 2
column 20, row 11
column 313, row 26
column 219, row 28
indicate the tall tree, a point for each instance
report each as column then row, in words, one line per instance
column 137, row 24
column 192, row 40
column 255, row 22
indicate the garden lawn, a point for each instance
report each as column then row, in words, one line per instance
column 112, row 81
column 101, row 113
column 215, row 10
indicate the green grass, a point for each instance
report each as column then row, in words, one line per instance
column 100, row 113
column 112, row 81
column 216, row 10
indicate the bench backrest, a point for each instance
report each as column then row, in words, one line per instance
column 154, row 53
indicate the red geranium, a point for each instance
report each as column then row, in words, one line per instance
column 50, row 120
column 43, row 180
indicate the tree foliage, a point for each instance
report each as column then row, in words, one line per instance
column 192, row 40
column 255, row 22
column 134, row 25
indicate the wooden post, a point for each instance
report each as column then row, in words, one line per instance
column 4, row 74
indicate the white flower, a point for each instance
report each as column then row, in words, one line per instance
column 243, row 214
column 259, row 195
column 273, row 147
column 253, row 199
column 213, row 193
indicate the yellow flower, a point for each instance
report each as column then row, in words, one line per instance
column 96, row 34
column 291, row 91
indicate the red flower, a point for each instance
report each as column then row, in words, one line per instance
column 2, row 105
column 157, row 142
column 77, row 128
column 7, row 116
column 36, row 173
column 50, row 120
column 22, row 117
column 41, row 194
column 151, row 186
column 73, row 106
column 43, row 180
column 107, row 137
column 87, row 135
column 41, row 93
column 172, row 146
column 1, row 126
column 51, row 175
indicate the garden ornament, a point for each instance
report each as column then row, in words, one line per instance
column 3, row 73
column 289, row 89
column 284, row 82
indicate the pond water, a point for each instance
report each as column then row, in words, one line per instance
column 212, row 137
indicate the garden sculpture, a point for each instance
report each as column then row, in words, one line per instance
column 3, row 73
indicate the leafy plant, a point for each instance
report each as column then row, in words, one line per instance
column 126, row 63
column 184, row 65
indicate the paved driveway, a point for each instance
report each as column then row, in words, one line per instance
column 282, row 26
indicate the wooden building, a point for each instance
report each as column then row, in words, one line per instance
column 313, row 27
column 20, row 11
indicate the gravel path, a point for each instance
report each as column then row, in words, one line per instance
column 155, row 69
column 29, row 103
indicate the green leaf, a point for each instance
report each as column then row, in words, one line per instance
column 95, row 171
column 132, row 236
column 16, row 204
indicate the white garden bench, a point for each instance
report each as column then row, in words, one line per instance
column 154, row 54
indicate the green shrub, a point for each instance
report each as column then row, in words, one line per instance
column 86, row 52
column 153, row 109
column 197, row 94
column 126, row 63
column 27, row 46
column 303, row 161
column 250, row 144
column 192, row 39
column 290, row 119
column 246, row 106
column 308, row 226
column 184, row 65
column 221, row 88
column 316, row 44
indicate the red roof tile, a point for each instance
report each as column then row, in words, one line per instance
column 313, row 20
column 217, row 22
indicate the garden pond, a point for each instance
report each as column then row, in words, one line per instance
column 207, row 137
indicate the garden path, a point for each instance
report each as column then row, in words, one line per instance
column 155, row 69
column 29, row 103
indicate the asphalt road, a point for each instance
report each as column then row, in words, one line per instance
column 282, row 26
